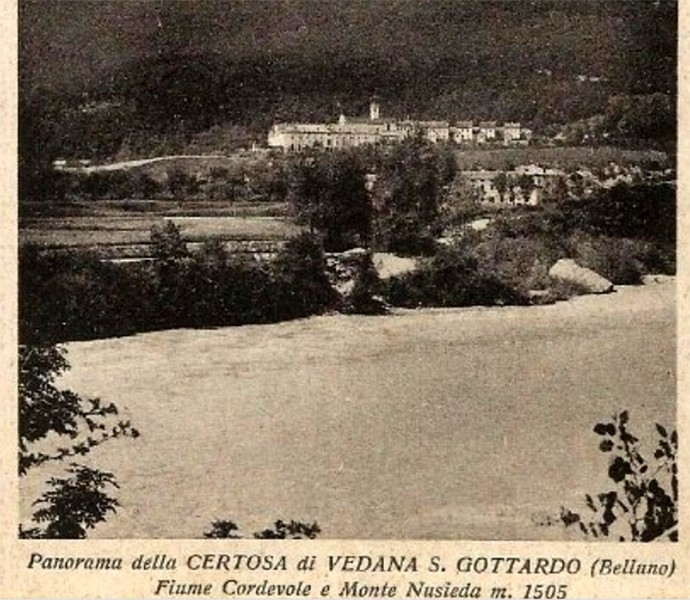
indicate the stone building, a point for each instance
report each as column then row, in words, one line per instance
column 349, row 132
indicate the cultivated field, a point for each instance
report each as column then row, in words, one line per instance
column 459, row 424
column 502, row 158
column 118, row 233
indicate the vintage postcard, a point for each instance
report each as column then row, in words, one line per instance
column 344, row 299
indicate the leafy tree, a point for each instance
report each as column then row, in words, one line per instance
column 367, row 285
column 461, row 204
column 45, row 409
column 167, row 242
column 73, row 504
column 79, row 502
column 413, row 180
column 299, row 275
column 180, row 183
column 643, row 504
column 526, row 185
column 327, row 192
column 557, row 190
column 501, row 183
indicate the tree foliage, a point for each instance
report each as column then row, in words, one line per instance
column 412, row 181
column 281, row 530
column 642, row 506
column 80, row 501
column 73, row 505
column 45, row 410
column 452, row 277
column 327, row 192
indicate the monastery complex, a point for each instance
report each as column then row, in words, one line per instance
column 348, row 132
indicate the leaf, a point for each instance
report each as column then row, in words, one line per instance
column 606, row 446
column 601, row 428
column 618, row 469
column 662, row 431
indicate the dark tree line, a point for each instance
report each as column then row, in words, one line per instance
column 77, row 296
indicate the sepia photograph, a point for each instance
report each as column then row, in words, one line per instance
column 347, row 270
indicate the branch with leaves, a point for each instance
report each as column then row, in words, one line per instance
column 44, row 409
column 80, row 501
column 643, row 506
column 281, row 530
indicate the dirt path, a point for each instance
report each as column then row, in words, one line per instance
column 470, row 423
column 129, row 164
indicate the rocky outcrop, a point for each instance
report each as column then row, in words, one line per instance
column 568, row 270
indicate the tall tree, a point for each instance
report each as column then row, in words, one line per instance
column 413, row 179
column 327, row 192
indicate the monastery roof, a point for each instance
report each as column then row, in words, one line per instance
column 367, row 121
column 464, row 124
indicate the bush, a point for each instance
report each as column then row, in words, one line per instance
column 644, row 212
column 367, row 286
column 73, row 505
column 522, row 262
column 614, row 258
column 76, row 296
column 301, row 285
column 281, row 530
column 451, row 278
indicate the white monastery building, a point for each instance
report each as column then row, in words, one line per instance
column 348, row 132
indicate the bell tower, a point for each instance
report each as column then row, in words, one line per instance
column 374, row 109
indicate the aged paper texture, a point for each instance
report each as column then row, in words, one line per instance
column 444, row 449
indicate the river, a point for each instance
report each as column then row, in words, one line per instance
column 445, row 424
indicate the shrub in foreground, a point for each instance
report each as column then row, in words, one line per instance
column 642, row 505
column 281, row 530
column 617, row 259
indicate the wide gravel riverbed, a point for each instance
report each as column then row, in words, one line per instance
column 468, row 423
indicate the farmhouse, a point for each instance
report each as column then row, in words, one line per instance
column 524, row 185
column 349, row 132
